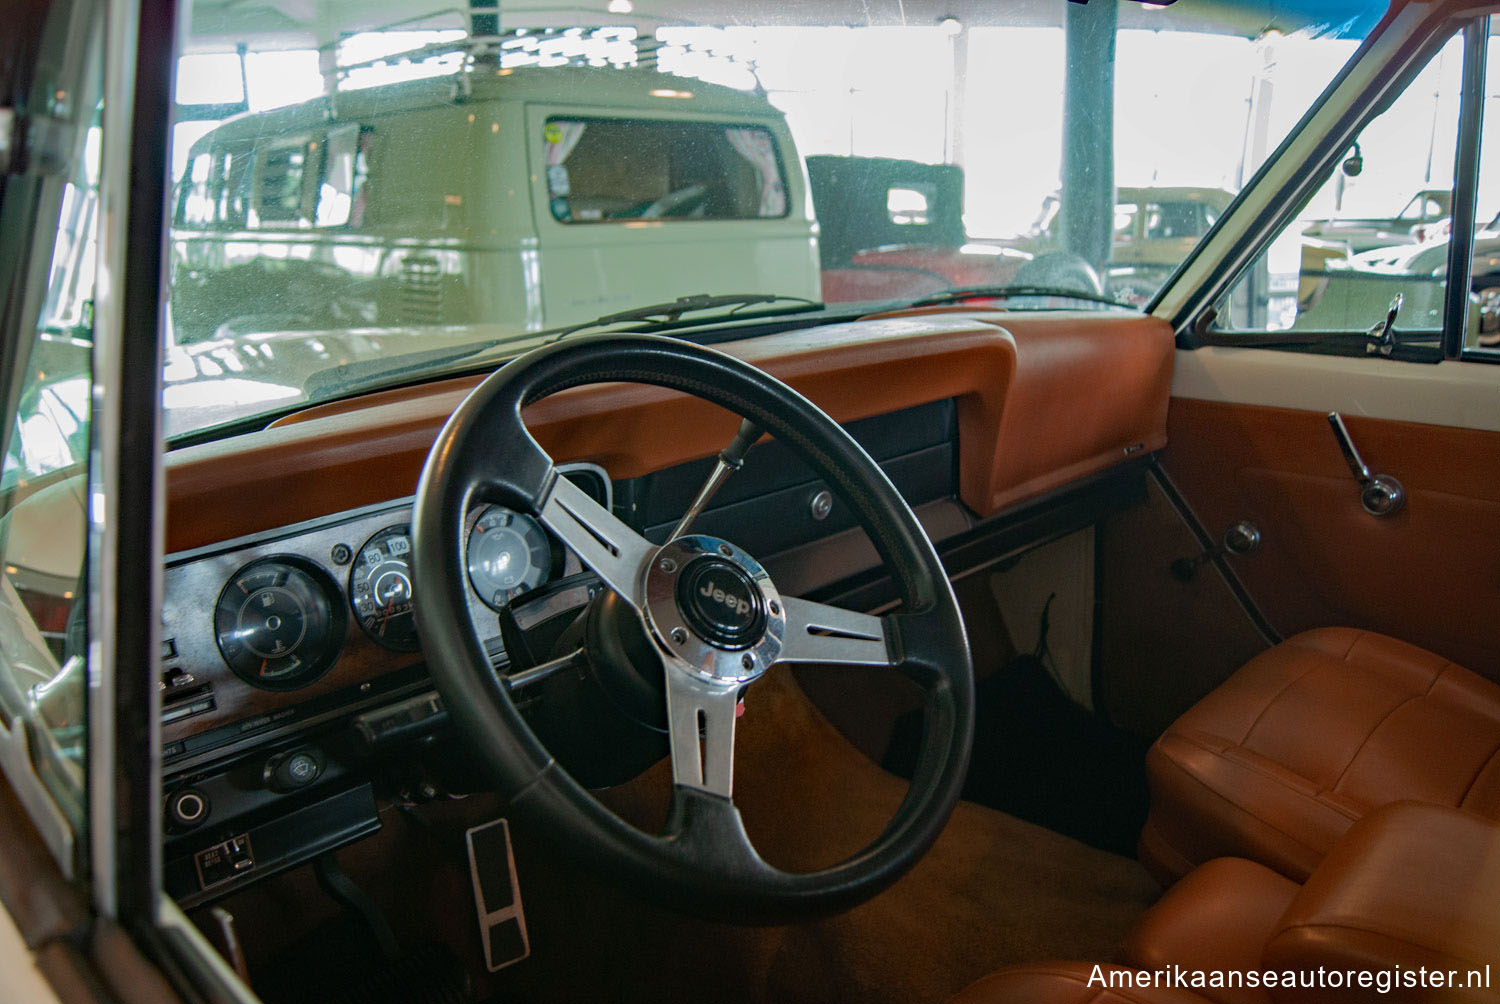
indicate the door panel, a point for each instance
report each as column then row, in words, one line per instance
column 1429, row 575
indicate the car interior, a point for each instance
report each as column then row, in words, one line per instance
column 993, row 639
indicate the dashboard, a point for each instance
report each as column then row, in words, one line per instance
column 291, row 660
column 295, row 699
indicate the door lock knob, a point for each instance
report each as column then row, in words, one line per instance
column 1240, row 537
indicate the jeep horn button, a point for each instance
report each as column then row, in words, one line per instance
column 721, row 604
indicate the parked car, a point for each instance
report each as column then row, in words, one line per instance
column 1154, row 229
column 1426, row 208
column 1334, row 286
column 893, row 228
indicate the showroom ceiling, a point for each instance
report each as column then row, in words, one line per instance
column 267, row 24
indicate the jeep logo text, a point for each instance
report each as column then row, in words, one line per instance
column 708, row 589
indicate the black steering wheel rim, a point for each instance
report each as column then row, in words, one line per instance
column 703, row 864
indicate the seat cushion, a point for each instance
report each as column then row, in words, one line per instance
column 1307, row 737
column 1218, row 918
column 1069, row 983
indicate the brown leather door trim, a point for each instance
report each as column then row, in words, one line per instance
column 1429, row 575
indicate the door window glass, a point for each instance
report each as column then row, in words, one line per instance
column 1482, row 333
column 44, row 479
column 1375, row 229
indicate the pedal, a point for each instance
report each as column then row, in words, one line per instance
column 497, row 895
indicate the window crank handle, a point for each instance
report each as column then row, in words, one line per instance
column 1380, row 494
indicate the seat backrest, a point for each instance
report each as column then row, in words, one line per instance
column 1411, row 885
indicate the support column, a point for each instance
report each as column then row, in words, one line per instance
column 958, row 92
column 1086, row 217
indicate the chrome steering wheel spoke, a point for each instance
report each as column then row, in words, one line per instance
column 615, row 552
column 700, row 725
column 816, row 632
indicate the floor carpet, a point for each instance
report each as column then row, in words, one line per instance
column 1041, row 757
column 993, row 890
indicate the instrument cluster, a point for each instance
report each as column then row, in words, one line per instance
column 280, row 620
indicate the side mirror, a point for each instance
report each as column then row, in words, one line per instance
column 1354, row 164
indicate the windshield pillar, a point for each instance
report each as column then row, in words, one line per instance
column 1086, row 215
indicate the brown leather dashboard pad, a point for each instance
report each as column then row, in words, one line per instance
column 1041, row 400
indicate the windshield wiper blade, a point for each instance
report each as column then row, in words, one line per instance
column 339, row 379
column 668, row 315
column 960, row 293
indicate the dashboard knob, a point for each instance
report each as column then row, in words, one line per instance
column 187, row 808
column 291, row 771
column 821, row 505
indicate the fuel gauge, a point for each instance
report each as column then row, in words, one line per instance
column 276, row 627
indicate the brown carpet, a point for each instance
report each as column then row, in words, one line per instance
column 993, row 890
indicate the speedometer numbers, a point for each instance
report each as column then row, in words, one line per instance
column 380, row 589
column 277, row 627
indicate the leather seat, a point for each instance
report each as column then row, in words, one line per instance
column 1219, row 917
column 1409, row 893
column 1411, row 888
column 1308, row 737
column 1068, row 983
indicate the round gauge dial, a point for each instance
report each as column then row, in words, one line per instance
column 277, row 626
column 509, row 553
column 380, row 589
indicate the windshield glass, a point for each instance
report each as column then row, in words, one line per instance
column 359, row 199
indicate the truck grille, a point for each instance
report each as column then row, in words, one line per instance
column 421, row 296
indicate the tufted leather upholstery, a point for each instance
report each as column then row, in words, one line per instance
column 1064, row 983
column 1306, row 738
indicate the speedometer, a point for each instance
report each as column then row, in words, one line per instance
column 509, row 554
column 380, row 589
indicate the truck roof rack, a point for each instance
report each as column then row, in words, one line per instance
column 632, row 41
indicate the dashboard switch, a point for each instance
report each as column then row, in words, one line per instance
column 293, row 771
column 222, row 862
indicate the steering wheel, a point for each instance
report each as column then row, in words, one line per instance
column 714, row 620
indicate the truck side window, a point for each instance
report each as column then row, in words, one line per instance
column 604, row 170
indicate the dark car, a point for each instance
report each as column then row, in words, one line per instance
column 893, row 228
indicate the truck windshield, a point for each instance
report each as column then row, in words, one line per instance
column 420, row 186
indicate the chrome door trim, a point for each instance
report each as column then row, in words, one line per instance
column 121, row 32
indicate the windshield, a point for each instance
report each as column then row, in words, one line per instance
column 359, row 200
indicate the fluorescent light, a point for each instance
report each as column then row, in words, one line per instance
column 662, row 92
column 620, row 7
